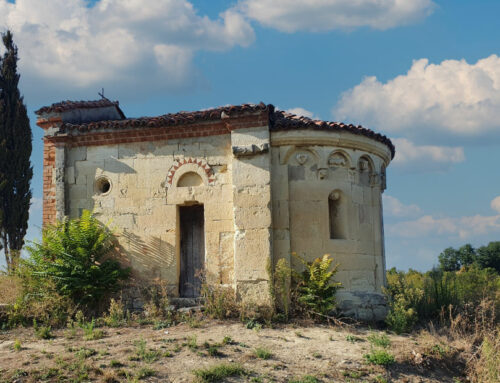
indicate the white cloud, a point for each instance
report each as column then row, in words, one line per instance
column 324, row 15
column 448, row 100
column 465, row 228
column 301, row 112
column 495, row 204
column 36, row 204
column 425, row 157
column 395, row 208
column 66, row 42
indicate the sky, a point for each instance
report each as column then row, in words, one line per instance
column 426, row 73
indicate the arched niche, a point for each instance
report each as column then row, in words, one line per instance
column 339, row 159
column 189, row 179
column 337, row 215
column 366, row 170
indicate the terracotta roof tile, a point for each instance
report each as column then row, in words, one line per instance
column 286, row 121
column 279, row 120
column 63, row 106
column 171, row 119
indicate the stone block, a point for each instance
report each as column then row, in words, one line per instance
column 252, row 217
column 101, row 152
column 251, row 171
column 281, row 218
column 252, row 252
column 77, row 192
column 78, row 153
column 70, row 175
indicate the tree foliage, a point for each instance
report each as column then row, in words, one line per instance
column 72, row 255
column 484, row 257
column 15, row 151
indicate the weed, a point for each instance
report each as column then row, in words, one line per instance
column 317, row 292
column 116, row 364
column 317, row 355
column 192, row 343
column 17, row 345
column 379, row 357
column 142, row 353
column 42, row 332
column 305, row 379
column 212, row 349
column 116, row 314
column 85, row 353
column 228, row 340
column 380, row 379
column 219, row 372
column 380, row 340
column 353, row 338
column 161, row 324
column 263, row 353
column 145, row 372
column 90, row 332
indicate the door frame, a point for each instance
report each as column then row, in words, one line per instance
column 179, row 239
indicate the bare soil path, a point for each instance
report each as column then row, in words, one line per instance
column 290, row 353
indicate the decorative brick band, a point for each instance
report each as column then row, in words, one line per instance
column 202, row 167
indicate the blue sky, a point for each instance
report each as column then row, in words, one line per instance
column 361, row 62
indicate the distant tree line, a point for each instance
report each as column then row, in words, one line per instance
column 483, row 257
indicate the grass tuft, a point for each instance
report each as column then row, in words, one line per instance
column 219, row 372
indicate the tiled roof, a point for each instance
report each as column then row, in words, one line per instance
column 171, row 119
column 286, row 121
column 279, row 120
column 63, row 106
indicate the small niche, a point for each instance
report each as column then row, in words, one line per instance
column 190, row 179
column 103, row 185
column 337, row 215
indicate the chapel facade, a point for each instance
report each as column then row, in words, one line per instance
column 227, row 191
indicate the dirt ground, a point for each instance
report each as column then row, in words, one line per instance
column 290, row 353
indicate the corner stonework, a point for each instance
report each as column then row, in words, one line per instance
column 251, row 175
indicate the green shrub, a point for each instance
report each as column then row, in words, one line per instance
column 72, row 255
column 42, row 332
column 90, row 332
column 415, row 296
column 315, row 289
column 219, row 372
column 379, row 340
column 379, row 357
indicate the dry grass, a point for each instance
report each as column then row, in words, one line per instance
column 10, row 289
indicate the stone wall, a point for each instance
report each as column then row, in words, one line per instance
column 309, row 168
column 142, row 202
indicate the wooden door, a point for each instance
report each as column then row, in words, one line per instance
column 192, row 249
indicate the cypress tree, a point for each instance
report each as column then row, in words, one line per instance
column 15, row 151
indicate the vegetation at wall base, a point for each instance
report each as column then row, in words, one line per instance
column 69, row 270
column 15, row 151
column 315, row 288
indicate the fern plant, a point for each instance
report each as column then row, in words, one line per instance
column 315, row 288
column 72, row 255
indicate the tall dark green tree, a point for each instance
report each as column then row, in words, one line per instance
column 15, row 151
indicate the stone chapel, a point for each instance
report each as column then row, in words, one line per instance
column 226, row 190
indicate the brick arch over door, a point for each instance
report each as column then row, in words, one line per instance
column 186, row 165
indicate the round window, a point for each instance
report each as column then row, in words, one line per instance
column 103, row 185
